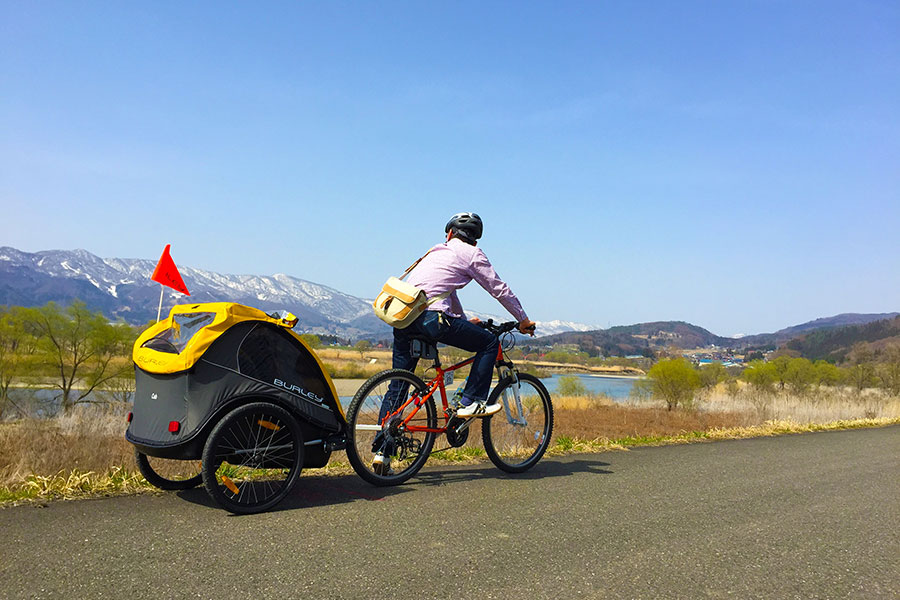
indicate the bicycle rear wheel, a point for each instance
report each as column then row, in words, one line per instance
column 516, row 438
column 406, row 450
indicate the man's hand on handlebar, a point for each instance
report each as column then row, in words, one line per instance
column 527, row 327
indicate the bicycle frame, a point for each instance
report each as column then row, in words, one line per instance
column 437, row 384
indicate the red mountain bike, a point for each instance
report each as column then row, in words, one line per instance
column 394, row 412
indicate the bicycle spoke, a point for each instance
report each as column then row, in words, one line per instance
column 257, row 456
column 379, row 417
column 516, row 437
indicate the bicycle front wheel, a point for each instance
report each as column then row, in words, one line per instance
column 374, row 429
column 516, row 438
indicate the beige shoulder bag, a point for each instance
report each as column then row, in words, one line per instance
column 401, row 303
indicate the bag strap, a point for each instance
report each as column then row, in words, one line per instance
column 413, row 266
column 438, row 297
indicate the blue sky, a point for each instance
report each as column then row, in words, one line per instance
column 732, row 164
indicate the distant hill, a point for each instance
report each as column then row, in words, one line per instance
column 784, row 335
column 642, row 338
column 121, row 287
column 645, row 338
column 834, row 344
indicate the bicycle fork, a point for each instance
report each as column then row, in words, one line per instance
column 512, row 399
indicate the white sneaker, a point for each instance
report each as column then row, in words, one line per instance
column 478, row 409
column 381, row 464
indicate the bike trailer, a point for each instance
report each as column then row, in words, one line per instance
column 205, row 360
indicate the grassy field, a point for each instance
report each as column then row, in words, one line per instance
column 84, row 452
column 352, row 364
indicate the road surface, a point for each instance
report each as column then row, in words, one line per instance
column 798, row 516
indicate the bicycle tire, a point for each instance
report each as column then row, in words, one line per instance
column 363, row 425
column 164, row 483
column 512, row 446
column 252, row 458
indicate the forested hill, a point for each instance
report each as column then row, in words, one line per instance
column 788, row 333
column 641, row 338
column 830, row 337
column 834, row 344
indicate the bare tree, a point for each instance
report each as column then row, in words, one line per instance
column 363, row 346
column 84, row 350
column 890, row 370
column 861, row 370
column 17, row 348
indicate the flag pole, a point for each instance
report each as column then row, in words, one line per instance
column 159, row 310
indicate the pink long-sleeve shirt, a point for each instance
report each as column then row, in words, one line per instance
column 452, row 265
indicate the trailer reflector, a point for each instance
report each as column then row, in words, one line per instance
column 230, row 485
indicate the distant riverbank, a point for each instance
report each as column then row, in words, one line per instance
column 617, row 387
column 606, row 371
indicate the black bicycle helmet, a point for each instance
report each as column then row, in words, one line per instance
column 466, row 225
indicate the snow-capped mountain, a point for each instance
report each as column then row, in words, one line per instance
column 557, row 326
column 121, row 287
column 543, row 327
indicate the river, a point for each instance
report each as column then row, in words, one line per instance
column 617, row 388
column 42, row 402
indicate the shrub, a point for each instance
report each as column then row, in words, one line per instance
column 761, row 375
column 311, row 339
column 570, row 385
column 674, row 380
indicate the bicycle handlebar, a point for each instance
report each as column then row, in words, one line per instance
column 500, row 329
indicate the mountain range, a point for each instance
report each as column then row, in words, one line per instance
column 122, row 288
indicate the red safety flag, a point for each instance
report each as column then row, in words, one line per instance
column 166, row 273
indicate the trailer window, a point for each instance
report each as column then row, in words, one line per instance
column 184, row 327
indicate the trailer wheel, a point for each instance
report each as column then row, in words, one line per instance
column 170, row 481
column 252, row 458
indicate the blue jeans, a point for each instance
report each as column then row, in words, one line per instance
column 452, row 331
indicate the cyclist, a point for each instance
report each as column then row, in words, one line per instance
column 447, row 268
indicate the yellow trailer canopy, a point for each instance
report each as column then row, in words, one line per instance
column 176, row 343
column 207, row 358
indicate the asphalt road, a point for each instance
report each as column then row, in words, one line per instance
column 800, row 516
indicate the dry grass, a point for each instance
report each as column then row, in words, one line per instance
column 350, row 364
column 74, row 484
column 84, row 452
column 822, row 405
column 87, row 439
column 617, row 421
column 327, row 353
